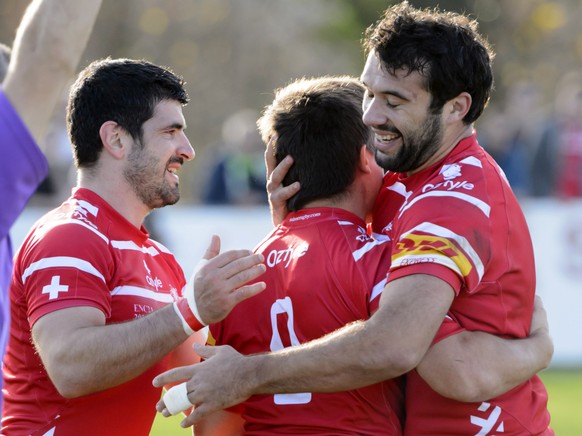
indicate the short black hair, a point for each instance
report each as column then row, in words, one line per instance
column 122, row 90
column 318, row 122
column 444, row 47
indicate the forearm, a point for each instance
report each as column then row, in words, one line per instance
column 349, row 358
column 391, row 342
column 94, row 358
column 475, row 366
column 46, row 52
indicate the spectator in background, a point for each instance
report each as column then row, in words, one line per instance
column 238, row 174
column 557, row 164
column 512, row 133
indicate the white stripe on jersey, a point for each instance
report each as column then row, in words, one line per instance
column 130, row 245
column 51, row 432
column 87, row 226
column 443, row 232
column 59, row 262
column 369, row 246
column 400, row 188
column 161, row 247
column 380, row 237
column 135, row 291
column 93, row 210
column 481, row 205
column 472, row 160
column 377, row 289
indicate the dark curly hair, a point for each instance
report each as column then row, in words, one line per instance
column 444, row 47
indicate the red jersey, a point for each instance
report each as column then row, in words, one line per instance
column 83, row 253
column 323, row 271
column 459, row 220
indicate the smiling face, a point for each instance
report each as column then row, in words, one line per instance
column 152, row 164
column 396, row 107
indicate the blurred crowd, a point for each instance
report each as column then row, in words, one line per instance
column 539, row 148
column 531, row 126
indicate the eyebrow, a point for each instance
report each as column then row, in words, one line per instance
column 178, row 126
column 389, row 92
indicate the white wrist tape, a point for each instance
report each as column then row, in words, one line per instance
column 176, row 399
column 188, row 292
column 184, row 317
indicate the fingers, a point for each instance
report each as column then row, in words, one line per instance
column 173, row 375
column 213, row 249
column 284, row 193
column 270, row 162
column 279, row 194
column 278, row 173
column 197, row 414
column 539, row 318
column 176, row 399
column 206, row 351
column 235, row 260
column 235, row 268
column 248, row 291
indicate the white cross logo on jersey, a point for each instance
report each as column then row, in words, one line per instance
column 488, row 423
column 54, row 288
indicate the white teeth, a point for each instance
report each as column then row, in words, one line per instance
column 172, row 170
column 387, row 137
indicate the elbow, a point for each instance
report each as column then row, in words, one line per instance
column 465, row 387
column 390, row 363
column 466, row 391
column 69, row 382
column 68, row 387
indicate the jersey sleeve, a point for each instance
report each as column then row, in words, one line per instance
column 57, row 274
column 445, row 233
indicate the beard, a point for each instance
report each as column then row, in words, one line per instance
column 147, row 178
column 417, row 148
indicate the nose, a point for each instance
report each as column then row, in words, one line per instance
column 186, row 150
column 372, row 113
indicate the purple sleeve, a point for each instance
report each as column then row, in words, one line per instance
column 23, row 166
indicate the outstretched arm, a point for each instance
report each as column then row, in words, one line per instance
column 48, row 46
column 476, row 366
column 391, row 342
column 82, row 355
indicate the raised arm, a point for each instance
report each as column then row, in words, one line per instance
column 48, row 46
column 476, row 366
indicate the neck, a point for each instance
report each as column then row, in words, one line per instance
column 347, row 201
column 449, row 142
column 118, row 194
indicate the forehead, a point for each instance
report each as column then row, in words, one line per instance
column 167, row 113
column 403, row 83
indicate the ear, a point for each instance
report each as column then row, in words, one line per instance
column 364, row 159
column 456, row 108
column 113, row 139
